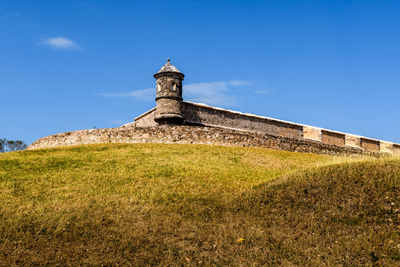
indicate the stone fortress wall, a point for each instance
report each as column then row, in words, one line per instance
column 183, row 134
column 215, row 126
column 200, row 114
column 176, row 121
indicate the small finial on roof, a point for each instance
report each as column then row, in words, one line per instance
column 168, row 59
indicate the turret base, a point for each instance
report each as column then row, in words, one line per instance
column 169, row 119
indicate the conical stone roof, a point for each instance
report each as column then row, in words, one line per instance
column 168, row 67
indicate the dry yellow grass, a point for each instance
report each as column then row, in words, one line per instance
column 158, row 204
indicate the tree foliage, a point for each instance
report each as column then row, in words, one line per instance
column 11, row 145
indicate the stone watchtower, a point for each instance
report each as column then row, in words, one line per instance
column 169, row 95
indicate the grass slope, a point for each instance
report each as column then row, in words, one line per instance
column 158, row 204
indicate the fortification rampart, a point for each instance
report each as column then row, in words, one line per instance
column 214, row 126
column 200, row 114
column 190, row 135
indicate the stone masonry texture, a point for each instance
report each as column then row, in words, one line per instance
column 199, row 114
column 369, row 144
column 190, row 135
column 217, row 117
column 333, row 138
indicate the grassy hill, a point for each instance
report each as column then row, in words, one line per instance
column 159, row 204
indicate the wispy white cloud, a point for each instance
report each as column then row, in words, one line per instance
column 240, row 83
column 60, row 43
column 212, row 93
column 263, row 92
column 141, row 95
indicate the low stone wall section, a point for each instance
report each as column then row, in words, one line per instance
column 210, row 116
column 352, row 140
column 312, row 133
column 386, row 147
column 396, row 149
column 370, row 144
column 146, row 119
column 190, row 135
column 333, row 138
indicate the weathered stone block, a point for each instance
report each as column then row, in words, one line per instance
column 396, row 149
column 312, row 133
column 352, row 140
column 370, row 144
column 333, row 138
column 386, row 147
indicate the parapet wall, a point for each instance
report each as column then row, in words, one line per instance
column 190, row 135
column 200, row 114
column 205, row 115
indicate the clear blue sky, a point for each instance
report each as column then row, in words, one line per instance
column 69, row 65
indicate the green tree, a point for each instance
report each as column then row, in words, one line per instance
column 2, row 145
column 11, row 145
